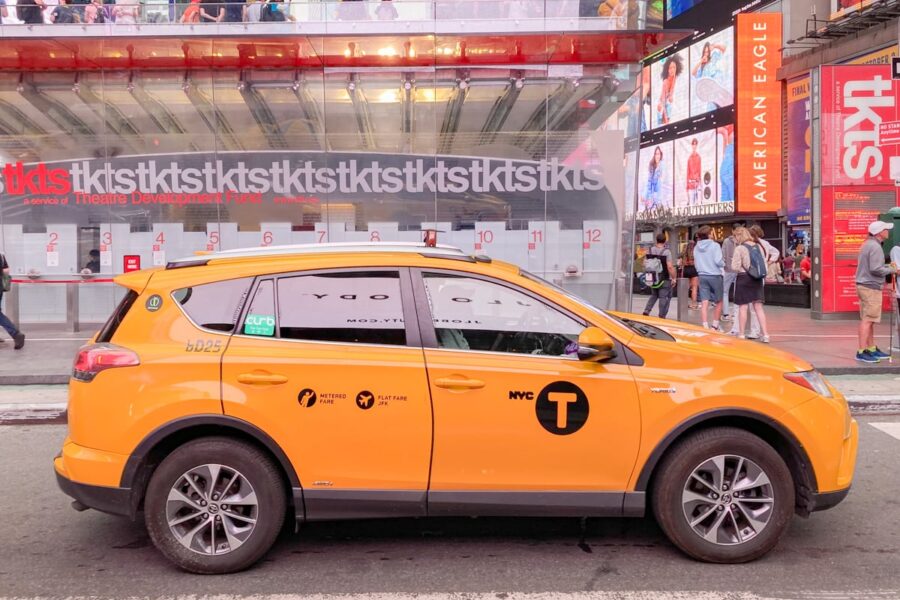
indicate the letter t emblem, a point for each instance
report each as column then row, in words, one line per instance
column 562, row 400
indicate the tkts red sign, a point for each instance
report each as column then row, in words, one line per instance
column 856, row 100
column 36, row 179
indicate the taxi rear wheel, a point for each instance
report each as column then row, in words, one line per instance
column 723, row 495
column 215, row 505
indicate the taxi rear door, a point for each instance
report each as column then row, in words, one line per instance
column 326, row 364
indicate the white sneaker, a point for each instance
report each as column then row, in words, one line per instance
column 706, row 326
column 753, row 336
column 764, row 339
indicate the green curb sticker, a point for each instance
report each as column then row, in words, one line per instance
column 260, row 325
column 154, row 303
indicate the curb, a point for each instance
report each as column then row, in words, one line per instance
column 34, row 379
column 862, row 370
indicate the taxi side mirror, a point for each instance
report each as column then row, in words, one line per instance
column 595, row 345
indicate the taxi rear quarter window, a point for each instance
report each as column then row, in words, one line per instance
column 214, row 306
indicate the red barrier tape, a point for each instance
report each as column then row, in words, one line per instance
column 36, row 281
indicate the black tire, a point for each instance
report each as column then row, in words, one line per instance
column 255, row 467
column 675, row 470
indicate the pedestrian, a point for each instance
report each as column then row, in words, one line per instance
column 386, row 11
column 4, row 12
column 871, row 271
column 191, row 13
column 211, row 11
column 750, row 264
column 253, row 11
column 234, row 11
column 689, row 271
column 30, row 12
column 710, row 264
column 730, row 275
column 806, row 270
column 895, row 262
column 64, row 14
column 13, row 331
column 788, row 268
column 660, row 274
column 126, row 12
column 771, row 254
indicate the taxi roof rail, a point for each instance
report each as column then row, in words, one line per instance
column 440, row 251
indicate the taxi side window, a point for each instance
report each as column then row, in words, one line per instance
column 361, row 307
column 260, row 318
column 215, row 305
column 473, row 314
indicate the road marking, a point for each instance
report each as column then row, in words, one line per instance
column 625, row 595
column 892, row 429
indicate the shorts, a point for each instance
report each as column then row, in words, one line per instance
column 689, row 272
column 711, row 287
column 869, row 304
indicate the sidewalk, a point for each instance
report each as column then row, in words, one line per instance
column 829, row 345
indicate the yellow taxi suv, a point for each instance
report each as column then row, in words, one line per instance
column 403, row 380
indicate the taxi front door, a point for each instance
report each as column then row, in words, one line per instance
column 521, row 426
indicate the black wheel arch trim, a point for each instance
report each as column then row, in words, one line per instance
column 136, row 461
column 663, row 446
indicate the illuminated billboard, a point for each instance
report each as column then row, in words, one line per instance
column 759, row 112
column 695, row 170
column 656, row 178
column 712, row 73
column 671, row 89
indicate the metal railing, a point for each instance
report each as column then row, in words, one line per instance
column 603, row 14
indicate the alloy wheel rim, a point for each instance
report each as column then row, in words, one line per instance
column 212, row 509
column 728, row 500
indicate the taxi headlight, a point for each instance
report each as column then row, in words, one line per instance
column 811, row 380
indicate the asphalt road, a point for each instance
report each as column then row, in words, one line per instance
column 49, row 550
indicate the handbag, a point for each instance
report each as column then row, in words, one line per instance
column 5, row 278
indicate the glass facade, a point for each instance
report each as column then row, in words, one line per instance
column 105, row 171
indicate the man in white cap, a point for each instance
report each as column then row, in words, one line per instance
column 870, row 274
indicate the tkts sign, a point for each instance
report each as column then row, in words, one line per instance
column 856, row 100
column 238, row 177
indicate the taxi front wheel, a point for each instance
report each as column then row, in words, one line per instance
column 723, row 495
column 215, row 505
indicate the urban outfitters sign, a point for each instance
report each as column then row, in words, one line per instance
column 759, row 113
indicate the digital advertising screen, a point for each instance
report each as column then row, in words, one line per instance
column 712, row 73
column 677, row 7
column 646, row 100
column 725, row 156
column 799, row 151
column 696, row 170
column 656, row 177
column 670, row 88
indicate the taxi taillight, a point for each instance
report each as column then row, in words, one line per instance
column 93, row 358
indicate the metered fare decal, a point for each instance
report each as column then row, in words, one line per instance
column 364, row 400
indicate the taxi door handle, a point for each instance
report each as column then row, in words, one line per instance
column 261, row 378
column 451, row 383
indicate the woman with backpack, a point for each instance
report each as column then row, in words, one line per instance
column 689, row 271
column 750, row 263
